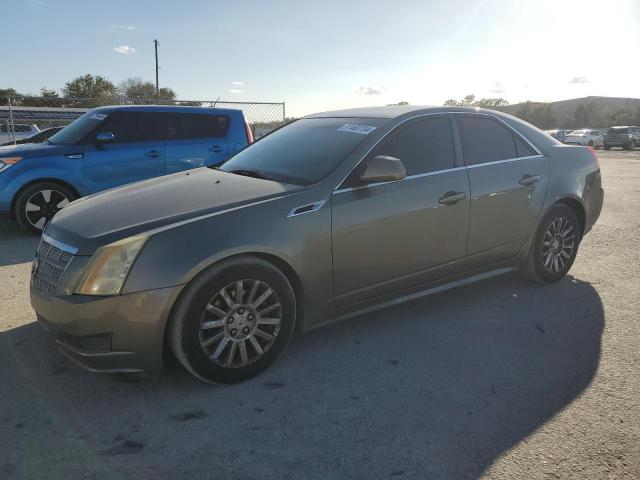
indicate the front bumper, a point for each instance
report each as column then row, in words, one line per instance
column 123, row 333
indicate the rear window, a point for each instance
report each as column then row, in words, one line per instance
column 485, row 140
column 185, row 126
column 618, row 130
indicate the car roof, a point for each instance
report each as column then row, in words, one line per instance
column 165, row 108
column 395, row 111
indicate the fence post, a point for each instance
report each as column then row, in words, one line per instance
column 13, row 128
column 284, row 115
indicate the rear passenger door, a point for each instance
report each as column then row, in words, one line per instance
column 195, row 140
column 508, row 180
column 136, row 152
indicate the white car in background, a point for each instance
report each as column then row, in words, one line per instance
column 585, row 137
column 20, row 130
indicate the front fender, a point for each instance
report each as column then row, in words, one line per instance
column 25, row 172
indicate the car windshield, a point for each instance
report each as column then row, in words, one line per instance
column 618, row 130
column 78, row 129
column 304, row 151
column 578, row 132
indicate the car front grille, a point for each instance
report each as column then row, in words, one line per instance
column 51, row 262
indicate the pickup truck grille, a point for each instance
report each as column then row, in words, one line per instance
column 51, row 262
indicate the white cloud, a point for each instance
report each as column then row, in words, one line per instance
column 579, row 80
column 125, row 27
column 236, row 90
column 239, row 84
column 497, row 87
column 369, row 91
column 125, row 49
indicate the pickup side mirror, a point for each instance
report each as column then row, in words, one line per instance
column 383, row 169
column 105, row 137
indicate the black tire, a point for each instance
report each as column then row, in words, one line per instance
column 535, row 269
column 591, row 144
column 607, row 147
column 184, row 329
column 37, row 195
column 627, row 146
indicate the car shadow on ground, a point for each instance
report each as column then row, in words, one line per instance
column 435, row 388
column 18, row 245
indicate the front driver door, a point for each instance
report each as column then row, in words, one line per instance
column 392, row 236
column 136, row 153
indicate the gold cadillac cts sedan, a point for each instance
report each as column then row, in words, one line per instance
column 328, row 217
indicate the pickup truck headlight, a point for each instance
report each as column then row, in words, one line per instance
column 6, row 162
column 108, row 268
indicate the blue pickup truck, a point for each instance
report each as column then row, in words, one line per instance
column 111, row 146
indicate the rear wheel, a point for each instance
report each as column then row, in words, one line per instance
column 607, row 147
column 555, row 245
column 590, row 144
column 36, row 205
column 233, row 321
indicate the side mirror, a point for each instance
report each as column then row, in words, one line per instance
column 104, row 137
column 383, row 169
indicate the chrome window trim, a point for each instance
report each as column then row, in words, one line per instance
column 501, row 121
column 410, row 177
column 506, row 160
column 315, row 206
column 58, row 244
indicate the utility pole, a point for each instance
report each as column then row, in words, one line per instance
column 157, row 87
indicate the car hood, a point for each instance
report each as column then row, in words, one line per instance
column 31, row 150
column 97, row 220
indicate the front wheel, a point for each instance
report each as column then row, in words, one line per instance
column 233, row 320
column 36, row 205
column 554, row 246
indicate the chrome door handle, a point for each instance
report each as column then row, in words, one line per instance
column 153, row 154
column 528, row 180
column 451, row 198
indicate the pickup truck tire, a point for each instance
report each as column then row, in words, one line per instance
column 36, row 204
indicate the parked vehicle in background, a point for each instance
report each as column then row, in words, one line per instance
column 558, row 134
column 586, row 137
column 625, row 137
column 39, row 137
column 111, row 146
column 19, row 130
column 327, row 217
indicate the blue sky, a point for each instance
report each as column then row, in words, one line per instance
column 331, row 54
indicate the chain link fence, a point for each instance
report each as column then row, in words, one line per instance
column 21, row 116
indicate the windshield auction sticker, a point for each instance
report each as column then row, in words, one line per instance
column 98, row 116
column 356, row 128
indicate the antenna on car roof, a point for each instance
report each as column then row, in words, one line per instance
column 215, row 103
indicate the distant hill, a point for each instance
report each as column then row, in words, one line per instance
column 594, row 112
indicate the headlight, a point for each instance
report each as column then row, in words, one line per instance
column 7, row 162
column 108, row 268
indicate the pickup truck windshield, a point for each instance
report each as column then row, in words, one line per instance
column 303, row 152
column 77, row 130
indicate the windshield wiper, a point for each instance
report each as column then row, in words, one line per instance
column 247, row 172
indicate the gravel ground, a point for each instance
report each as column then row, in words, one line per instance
column 501, row 379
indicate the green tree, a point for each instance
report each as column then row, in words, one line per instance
column 451, row 103
column 89, row 86
column 581, row 116
column 138, row 89
column 491, row 102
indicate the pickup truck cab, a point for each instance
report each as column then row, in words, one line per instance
column 111, row 146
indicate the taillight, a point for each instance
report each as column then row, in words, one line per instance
column 247, row 129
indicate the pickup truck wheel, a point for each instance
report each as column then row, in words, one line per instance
column 607, row 147
column 233, row 320
column 36, row 205
column 554, row 246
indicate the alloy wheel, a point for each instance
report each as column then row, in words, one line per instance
column 240, row 323
column 558, row 245
column 43, row 205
